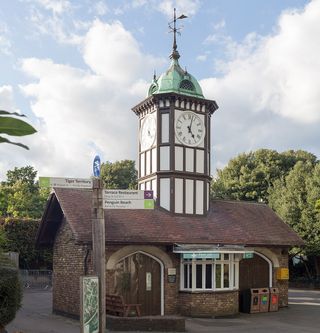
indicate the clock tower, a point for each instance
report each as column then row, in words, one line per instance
column 174, row 140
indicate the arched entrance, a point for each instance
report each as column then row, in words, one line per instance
column 254, row 273
column 138, row 280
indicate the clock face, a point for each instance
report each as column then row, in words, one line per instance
column 148, row 131
column 189, row 129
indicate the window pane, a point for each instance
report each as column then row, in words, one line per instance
column 218, row 275
column 190, row 276
column 226, row 276
column 198, row 276
column 209, row 276
column 185, row 276
column 226, row 256
column 234, row 275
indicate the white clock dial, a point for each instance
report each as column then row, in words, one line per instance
column 189, row 128
column 148, row 131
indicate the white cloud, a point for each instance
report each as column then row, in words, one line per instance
column 100, row 8
column 56, row 6
column 187, row 7
column 84, row 112
column 202, row 57
column 119, row 57
column 56, row 27
column 220, row 25
column 6, row 98
column 5, row 44
column 269, row 91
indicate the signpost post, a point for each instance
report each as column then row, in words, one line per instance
column 99, row 241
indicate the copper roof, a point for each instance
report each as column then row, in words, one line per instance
column 228, row 222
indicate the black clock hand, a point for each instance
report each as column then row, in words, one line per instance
column 189, row 127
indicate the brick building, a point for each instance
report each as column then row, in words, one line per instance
column 190, row 255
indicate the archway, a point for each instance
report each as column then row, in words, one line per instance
column 139, row 279
column 255, row 272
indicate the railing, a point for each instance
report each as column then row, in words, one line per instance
column 36, row 279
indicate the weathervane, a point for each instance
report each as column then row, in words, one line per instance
column 175, row 54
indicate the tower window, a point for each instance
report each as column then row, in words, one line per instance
column 187, row 85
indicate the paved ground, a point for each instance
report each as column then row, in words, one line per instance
column 303, row 315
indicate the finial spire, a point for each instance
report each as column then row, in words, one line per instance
column 175, row 54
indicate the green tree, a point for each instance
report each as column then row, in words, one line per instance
column 12, row 126
column 119, row 175
column 249, row 176
column 20, row 195
column 295, row 198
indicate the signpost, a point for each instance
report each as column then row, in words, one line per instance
column 128, row 199
column 93, row 289
column 65, row 182
column 99, row 241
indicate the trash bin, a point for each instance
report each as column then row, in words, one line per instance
column 264, row 299
column 249, row 301
column 274, row 299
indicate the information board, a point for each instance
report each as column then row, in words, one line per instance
column 89, row 292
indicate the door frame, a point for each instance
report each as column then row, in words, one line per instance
column 270, row 266
column 161, row 274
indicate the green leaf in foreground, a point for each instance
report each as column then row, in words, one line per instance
column 15, row 127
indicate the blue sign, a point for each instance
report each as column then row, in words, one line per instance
column 96, row 166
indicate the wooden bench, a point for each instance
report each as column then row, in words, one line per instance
column 115, row 305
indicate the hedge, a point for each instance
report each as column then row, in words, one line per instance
column 10, row 293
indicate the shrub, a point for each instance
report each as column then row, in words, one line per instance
column 10, row 293
column 20, row 237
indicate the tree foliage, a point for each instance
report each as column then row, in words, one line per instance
column 295, row 199
column 249, row 176
column 289, row 182
column 119, row 175
column 20, row 195
column 9, row 125
column 21, row 206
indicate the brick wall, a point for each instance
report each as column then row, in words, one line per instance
column 283, row 285
column 209, row 304
column 68, row 266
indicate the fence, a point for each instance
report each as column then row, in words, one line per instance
column 36, row 279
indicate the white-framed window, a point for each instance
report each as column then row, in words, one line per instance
column 210, row 274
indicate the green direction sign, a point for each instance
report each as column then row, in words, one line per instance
column 127, row 199
column 248, row 255
column 65, row 182
column 89, row 289
column 201, row 255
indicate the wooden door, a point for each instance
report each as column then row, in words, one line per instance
column 138, row 280
column 253, row 273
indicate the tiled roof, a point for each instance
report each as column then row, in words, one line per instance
column 228, row 222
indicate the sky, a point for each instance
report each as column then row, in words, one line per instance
column 75, row 68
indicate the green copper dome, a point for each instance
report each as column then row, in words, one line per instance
column 176, row 80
